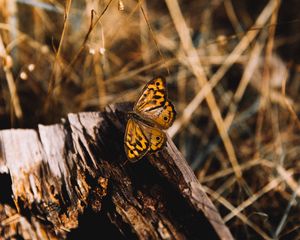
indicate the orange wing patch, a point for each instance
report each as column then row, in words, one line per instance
column 163, row 116
column 155, row 136
column 153, row 95
column 135, row 142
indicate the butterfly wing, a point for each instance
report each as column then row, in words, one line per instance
column 162, row 116
column 155, row 136
column 135, row 142
column 153, row 95
column 153, row 104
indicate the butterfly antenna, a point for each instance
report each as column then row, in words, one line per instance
column 154, row 37
column 125, row 163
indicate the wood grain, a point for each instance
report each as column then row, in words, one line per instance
column 70, row 179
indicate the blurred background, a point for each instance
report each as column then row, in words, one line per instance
column 233, row 73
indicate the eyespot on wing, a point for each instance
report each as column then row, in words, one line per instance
column 163, row 116
column 156, row 137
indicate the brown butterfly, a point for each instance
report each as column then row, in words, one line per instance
column 152, row 113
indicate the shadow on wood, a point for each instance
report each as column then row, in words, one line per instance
column 69, row 180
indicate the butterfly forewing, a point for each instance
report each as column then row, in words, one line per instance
column 153, row 95
column 135, row 142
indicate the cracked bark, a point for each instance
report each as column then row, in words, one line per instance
column 69, row 179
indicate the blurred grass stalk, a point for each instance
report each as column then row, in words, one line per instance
column 41, row 5
column 7, row 60
column 196, row 67
column 102, row 55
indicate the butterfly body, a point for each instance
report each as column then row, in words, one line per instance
column 152, row 113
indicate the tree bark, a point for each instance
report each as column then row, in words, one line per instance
column 71, row 179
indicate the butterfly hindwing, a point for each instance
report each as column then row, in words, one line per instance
column 153, row 95
column 163, row 116
column 155, row 136
column 135, row 142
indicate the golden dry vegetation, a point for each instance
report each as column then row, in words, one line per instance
column 233, row 73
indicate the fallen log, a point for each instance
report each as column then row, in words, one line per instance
column 71, row 179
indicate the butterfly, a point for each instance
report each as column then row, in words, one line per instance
column 152, row 113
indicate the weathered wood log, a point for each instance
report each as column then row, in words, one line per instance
column 71, row 178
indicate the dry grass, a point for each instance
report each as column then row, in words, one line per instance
column 233, row 73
